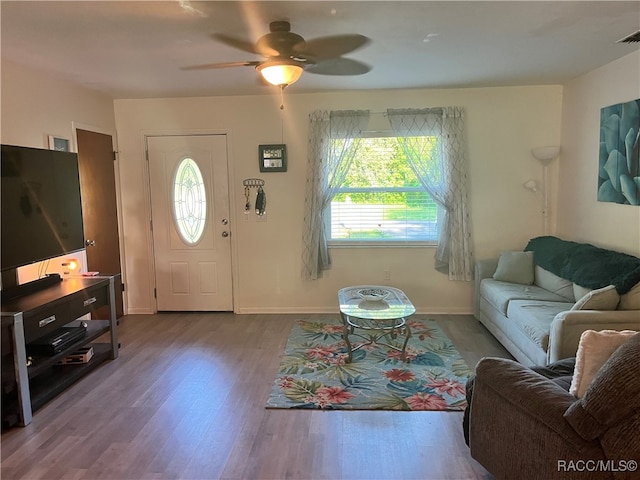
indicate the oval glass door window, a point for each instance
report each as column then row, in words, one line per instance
column 189, row 201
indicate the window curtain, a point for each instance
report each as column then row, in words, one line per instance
column 442, row 171
column 327, row 166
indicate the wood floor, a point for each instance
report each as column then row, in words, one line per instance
column 185, row 400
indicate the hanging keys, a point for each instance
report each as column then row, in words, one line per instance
column 261, row 202
column 247, row 205
column 261, row 199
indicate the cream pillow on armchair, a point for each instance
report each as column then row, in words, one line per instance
column 594, row 350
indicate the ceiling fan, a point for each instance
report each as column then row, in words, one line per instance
column 287, row 54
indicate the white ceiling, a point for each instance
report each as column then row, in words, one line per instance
column 136, row 49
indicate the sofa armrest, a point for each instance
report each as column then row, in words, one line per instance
column 567, row 327
column 527, row 391
column 483, row 269
column 517, row 422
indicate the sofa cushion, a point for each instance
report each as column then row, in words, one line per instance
column 594, row 350
column 606, row 298
column 515, row 267
column 579, row 291
column 631, row 299
column 498, row 294
column 553, row 283
column 534, row 318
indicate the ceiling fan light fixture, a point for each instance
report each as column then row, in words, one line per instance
column 280, row 72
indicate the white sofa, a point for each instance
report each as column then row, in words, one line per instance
column 539, row 322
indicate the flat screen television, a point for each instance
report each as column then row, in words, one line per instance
column 41, row 207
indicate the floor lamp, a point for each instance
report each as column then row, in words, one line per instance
column 545, row 155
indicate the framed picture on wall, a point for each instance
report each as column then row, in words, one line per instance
column 58, row 143
column 619, row 156
column 272, row 158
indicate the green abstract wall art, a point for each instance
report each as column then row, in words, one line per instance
column 619, row 162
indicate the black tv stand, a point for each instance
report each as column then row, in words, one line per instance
column 29, row 381
column 28, row 288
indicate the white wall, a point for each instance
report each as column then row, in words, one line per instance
column 580, row 216
column 36, row 105
column 503, row 125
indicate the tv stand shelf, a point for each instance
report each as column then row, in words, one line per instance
column 30, row 381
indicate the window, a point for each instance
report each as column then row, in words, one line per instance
column 381, row 200
column 189, row 201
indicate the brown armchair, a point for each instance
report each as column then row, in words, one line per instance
column 523, row 425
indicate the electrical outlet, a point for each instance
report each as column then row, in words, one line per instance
column 386, row 275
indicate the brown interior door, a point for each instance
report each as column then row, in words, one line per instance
column 99, row 212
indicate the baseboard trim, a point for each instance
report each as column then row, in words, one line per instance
column 139, row 311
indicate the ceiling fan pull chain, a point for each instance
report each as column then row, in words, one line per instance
column 282, row 97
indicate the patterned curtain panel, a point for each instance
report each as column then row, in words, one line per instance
column 334, row 138
column 443, row 173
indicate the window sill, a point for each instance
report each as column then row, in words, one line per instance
column 337, row 244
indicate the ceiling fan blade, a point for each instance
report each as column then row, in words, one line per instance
column 338, row 66
column 235, row 43
column 278, row 44
column 211, row 66
column 331, row 47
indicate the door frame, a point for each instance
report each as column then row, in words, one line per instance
column 146, row 134
column 116, row 165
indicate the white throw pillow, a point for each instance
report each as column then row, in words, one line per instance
column 605, row 298
column 515, row 267
column 594, row 350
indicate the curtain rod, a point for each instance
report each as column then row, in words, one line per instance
column 384, row 113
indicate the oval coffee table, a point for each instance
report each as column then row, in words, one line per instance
column 378, row 318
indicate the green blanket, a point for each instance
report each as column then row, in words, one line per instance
column 584, row 264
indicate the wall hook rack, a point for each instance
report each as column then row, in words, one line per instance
column 253, row 182
column 261, row 199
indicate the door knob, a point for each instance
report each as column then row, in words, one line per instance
column 225, row 234
column 90, row 243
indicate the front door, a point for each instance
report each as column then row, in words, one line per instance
column 99, row 210
column 190, row 221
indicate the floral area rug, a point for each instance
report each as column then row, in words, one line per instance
column 313, row 372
